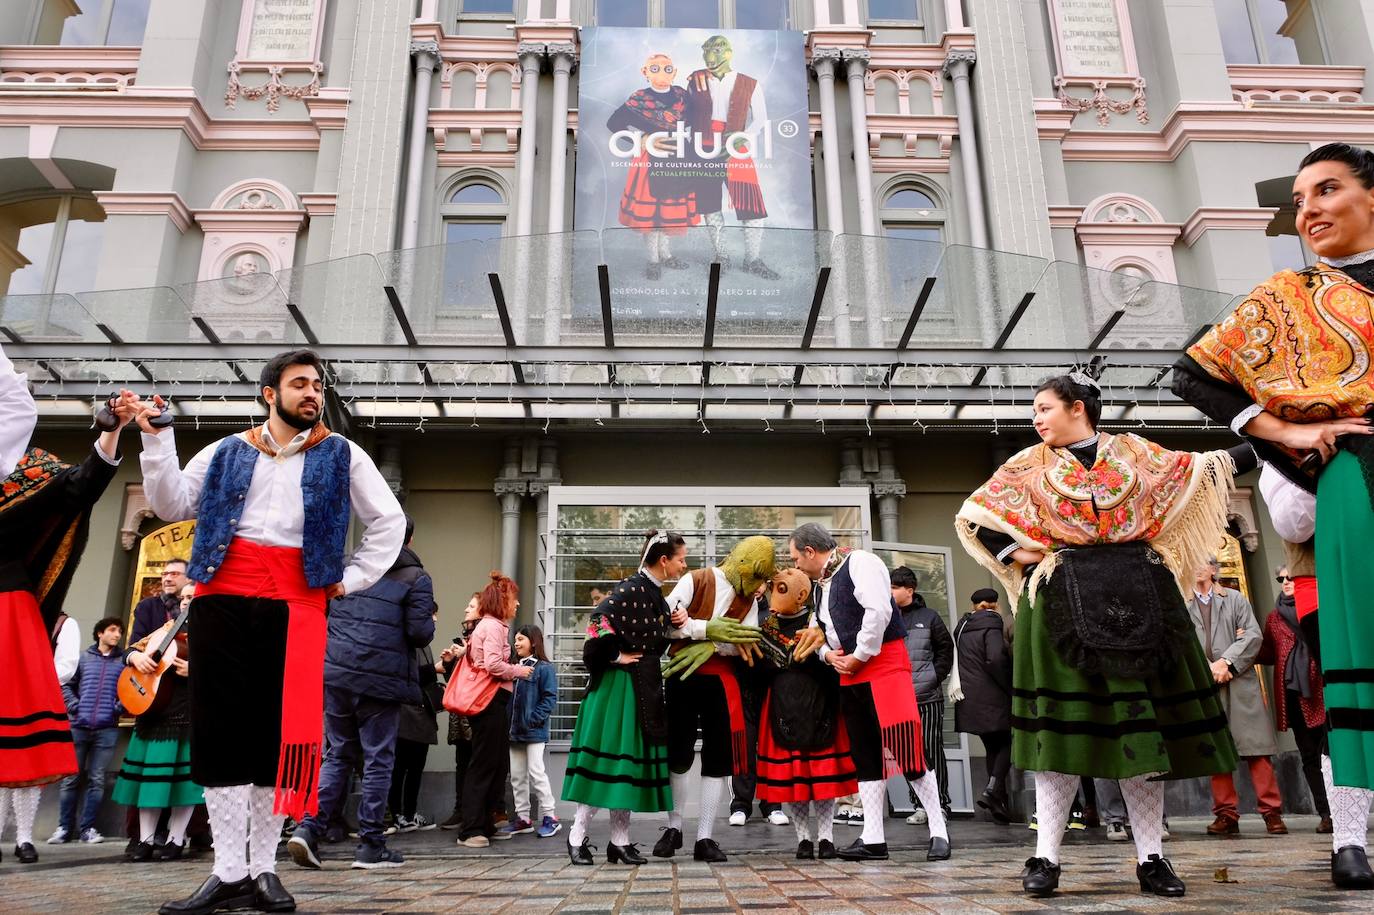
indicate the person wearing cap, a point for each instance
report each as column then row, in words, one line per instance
column 980, row 688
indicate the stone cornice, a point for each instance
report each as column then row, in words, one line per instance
column 319, row 204
column 275, row 221
column 1128, row 233
column 167, row 204
column 1249, row 219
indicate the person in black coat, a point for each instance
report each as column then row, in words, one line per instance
column 981, row 690
column 152, row 612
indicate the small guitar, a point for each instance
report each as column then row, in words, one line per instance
column 138, row 692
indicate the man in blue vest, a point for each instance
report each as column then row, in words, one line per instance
column 258, row 619
column 858, row 630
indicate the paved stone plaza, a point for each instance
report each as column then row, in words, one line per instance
column 531, row 876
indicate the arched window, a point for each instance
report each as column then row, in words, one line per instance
column 50, row 244
column 912, row 212
column 473, row 211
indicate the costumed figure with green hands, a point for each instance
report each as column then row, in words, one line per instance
column 619, row 757
column 1095, row 536
column 718, row 631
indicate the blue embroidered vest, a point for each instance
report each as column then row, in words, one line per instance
column 847, row 614
column 324, row 489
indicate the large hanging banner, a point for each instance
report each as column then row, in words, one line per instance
column 690, row 143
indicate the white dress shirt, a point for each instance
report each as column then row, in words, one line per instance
column 66, row 657
column 873, row 590
column 681, row 596
column 1292, row 508
column 274, row 510
column 722, row 89
column 18, row 415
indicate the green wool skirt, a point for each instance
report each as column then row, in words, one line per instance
column 1345, row 528
column 610, row 763
column 1064, row 720
column 157, row 773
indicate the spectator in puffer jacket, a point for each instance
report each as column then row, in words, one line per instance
column 369, row 673
column 931, row 650
column 530, row 707
column 93, row 706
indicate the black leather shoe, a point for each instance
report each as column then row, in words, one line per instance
column 171, row 851
column 669, row 842
column 213, row 895
column 581, row 854
column 805, row 852
column 995, row 806
column 270, row 896
column 624, row 854
column 707, row 850
column 825, row 850
column 1157, row 876
column 939, row 849
column 1350, row 869
column 25, row 853
column 860, row 851
column 142, row 851
column 1041, row 878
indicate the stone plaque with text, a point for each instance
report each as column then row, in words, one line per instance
column 282, row 30
column 1090, row 38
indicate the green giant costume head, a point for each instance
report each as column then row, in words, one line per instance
column 749, row 565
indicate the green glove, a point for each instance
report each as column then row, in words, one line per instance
column 686, row 661
column 723, row 629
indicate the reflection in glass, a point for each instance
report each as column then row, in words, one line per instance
column 910, row 198
column 102, row 22
column 1279, row 49
column 692, row 14
column 902, row 10
column 489, row 6
column 60, row 239
column 476, row 193
column 463, row 248
column 622, row 12
column 761, row 14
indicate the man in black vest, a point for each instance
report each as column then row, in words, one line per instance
column 859, row 632
column 153, row 611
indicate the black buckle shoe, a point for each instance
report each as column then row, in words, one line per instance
column 1350, row 869
column 270, row 896
column 581, row 854
column 171, row 851
column 141, row 851
column 996, row 807
column 1040, row 878
column 707, row 850
column 25, row 853
column 1157, row 876
column 861, row 851
column 805, row 851
column 625, row 854
column 213, row 894
column 939, row 849
column 669, row 842
column 825, row 850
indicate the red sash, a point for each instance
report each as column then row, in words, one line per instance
column 1305, row 594
column 899, row 718
column 277, row 573
column 722, row 668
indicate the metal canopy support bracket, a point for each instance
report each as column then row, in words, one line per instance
column 809, row 334
column 402, row 319
column 1017, row 314
column 498, row 295
column 213, row 337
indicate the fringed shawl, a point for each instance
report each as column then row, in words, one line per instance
column 1299, row 345
column 1045, row 500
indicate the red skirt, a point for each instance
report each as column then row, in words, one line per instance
column 35, row 736
column 802, row 775
column 640, row 209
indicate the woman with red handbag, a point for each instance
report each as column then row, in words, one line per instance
column 481, row 690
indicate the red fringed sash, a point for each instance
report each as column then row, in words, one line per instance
column 721, row 668
column 277, row 573
column 888, row 674
column 742, row 183
column 1305, row 594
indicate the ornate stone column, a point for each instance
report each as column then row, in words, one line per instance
column 824, row 61
column 856, row 67
column 563, row 58
column 957, row 67
column 510, row 488
column 531, row 59
column 426, row 54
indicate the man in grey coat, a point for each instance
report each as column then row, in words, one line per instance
column 1230, row 635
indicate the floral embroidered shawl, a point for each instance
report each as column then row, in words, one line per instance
column 1045, row 500
column 1300, row 345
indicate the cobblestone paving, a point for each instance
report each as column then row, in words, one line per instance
column 531, row 877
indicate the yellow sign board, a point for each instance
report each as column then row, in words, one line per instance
column 154, row 551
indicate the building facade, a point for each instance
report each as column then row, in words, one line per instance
column 1000, row 189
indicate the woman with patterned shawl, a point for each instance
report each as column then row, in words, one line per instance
column 619, row 753
column 1095, row 535
column 1290, row 369
column 45, row 510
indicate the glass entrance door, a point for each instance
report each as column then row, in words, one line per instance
column 596, row 532
column 933, row 566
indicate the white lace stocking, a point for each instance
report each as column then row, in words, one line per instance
column 264, row 832
column 228, row 812
column 581, row 820
column 678, row 781
column 1145, row 806
column 25, row 810
column 873, row 797
column 711, row 790
column 825, row 820
column 1054, row 794
column 927, row 789
column 620, row 827
column 799, row 810
column 1349, row 811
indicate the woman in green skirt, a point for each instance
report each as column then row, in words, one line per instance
column 619, row 754
column 1095, row 534
column 156, row 774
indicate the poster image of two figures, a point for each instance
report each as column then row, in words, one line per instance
column 690, row 143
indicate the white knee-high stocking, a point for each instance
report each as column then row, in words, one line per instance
column 798, row 810
column 678, row 781
column 1145, row 804
column 711, row 790
column 577, row 833
column 4, row 808
column 147, row 823
column 620, row 827
column 177, row 822
column 264, row 832
column 25, row 810
column 1054, row 794
column 228, row 812
column 1349, row 811
column 873, row 797
column 927, row 789
column 825, row 820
